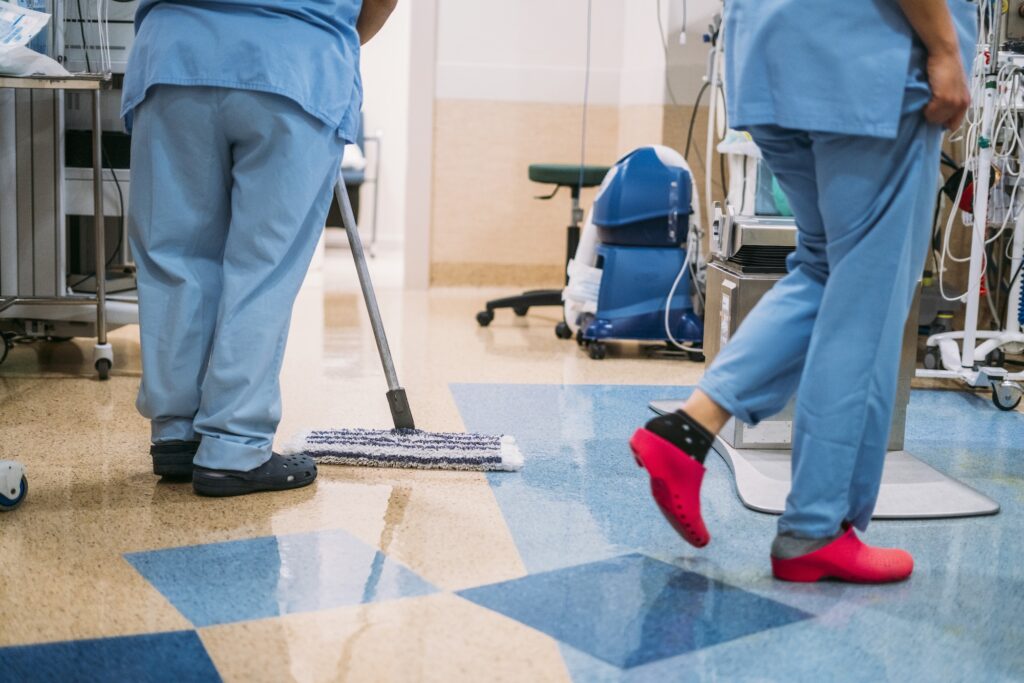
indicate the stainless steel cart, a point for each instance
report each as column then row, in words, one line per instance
column 103, row 357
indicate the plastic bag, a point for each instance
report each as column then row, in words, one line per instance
column 21, row 61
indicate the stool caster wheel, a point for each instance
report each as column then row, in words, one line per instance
column 6, row 344
column 996, row 358
column 13, row 485
column 598, row 351
column 520, row 311
column 563, row 331
column 1006, row 395
column 103, row 366
column 932, row 360
column 484, row 318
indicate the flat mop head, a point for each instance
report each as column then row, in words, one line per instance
column 410, row 448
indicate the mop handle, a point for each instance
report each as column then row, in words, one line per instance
column 356, row 245
column 396, row 394
column 348, row 218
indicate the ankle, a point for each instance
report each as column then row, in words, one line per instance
column 685, row 433
column 705, row 412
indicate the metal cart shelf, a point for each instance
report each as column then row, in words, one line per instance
column 103, row 357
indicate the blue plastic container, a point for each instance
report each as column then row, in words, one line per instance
column 634, row 289
column 645, row 202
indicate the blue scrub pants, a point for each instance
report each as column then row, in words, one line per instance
column 230, row 191
column 831, row 330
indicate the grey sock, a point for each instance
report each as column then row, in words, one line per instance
column 788, row 545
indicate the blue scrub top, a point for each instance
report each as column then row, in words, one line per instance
column 305, row 50
column 835, row 66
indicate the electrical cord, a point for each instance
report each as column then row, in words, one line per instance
column 120, row 233
column 85, row 43
column 693, row 120
column 586, row 92
column 104, row 159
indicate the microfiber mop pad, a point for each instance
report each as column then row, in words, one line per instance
column 403, row 446
column 410, row 448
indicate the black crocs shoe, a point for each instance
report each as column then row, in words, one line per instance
column 280, row 473
column 173, row 459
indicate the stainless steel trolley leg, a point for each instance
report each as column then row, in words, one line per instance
column 103, row 354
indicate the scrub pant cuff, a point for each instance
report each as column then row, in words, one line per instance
column 219, row 453
column 172, row 429
column 726, row 400
column 861, row 523
column 809, row 532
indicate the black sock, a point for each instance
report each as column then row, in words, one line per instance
column 684, row 432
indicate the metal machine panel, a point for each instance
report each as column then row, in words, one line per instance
column 1015, row 21
column 121, row 30
column 31, row 238
column 45, row 226
column 730, row 297
column 750, row 231
column 8, row 200
column 23, row 190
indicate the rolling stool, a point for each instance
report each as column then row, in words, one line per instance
column 559, row 175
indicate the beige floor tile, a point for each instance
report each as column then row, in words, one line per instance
column 439, row 638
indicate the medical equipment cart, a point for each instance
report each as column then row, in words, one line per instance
column 21, row 208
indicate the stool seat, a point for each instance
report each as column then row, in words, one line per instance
column 567, row 174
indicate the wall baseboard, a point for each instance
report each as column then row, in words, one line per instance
column 496, row 274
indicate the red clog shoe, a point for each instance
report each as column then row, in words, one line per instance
column 847, row 559
column 675, row 484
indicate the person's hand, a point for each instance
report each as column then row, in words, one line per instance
column 951, row 96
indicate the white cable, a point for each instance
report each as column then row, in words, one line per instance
column 691, row 263
column 672, row 295
column 1006, row 141
column 586, row 96
column 709, row 152
column 969, row 134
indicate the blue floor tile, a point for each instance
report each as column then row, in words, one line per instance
column 580, row 499
column 633, row 610
column 221, row 583
column 152, row 658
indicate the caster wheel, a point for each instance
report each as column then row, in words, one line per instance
column 932, row 361
column 563, row 331
column 598, row 351
column 6, row 344
column 12, row 499
column 996, row 358
column 696, row 356
column 1006, row 396
column 484, row 318
column 103, row 368
column 520, row 310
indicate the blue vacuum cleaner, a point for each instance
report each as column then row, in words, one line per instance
column 633, row 263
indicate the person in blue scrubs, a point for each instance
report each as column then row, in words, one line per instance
column 239, row 112
column 847, row 102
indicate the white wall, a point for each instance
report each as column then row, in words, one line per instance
column 528, row 50
column 386, row 82
column 535, row 50
column 643, row 54
column 688, row 63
